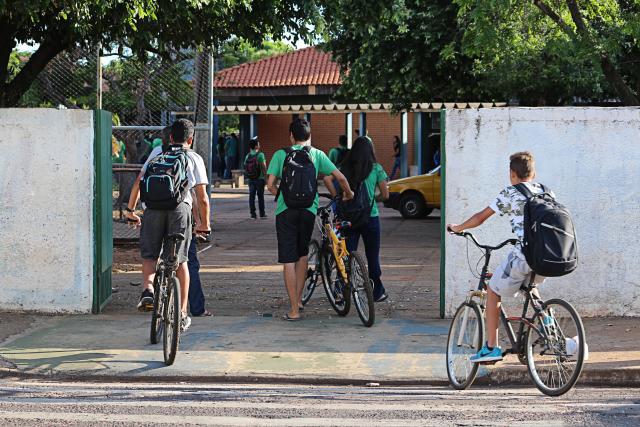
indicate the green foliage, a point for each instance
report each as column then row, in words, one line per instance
column 238, row 51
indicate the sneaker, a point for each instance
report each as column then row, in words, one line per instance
column 486, row 355
column 382, row 297
column 186, row 322
column 254, row 217
column 146, row 301
column 263, row 217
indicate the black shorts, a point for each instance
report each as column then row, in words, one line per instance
column 294, row 228
column 157, row 224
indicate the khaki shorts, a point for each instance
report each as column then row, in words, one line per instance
column 157, row 224
column 511, row 274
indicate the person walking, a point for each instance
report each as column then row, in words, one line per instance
column 337, row 154
column 364, row 173
column 297, row 204
column 255, row 166
column 397, row 157
column 231, row 155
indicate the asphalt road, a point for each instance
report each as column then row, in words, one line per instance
column 102, row 404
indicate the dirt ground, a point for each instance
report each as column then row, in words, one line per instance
column 240, row 275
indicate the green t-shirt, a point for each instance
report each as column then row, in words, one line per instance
column 334, row 154
column 320, row 161
column 156, row 143
column 261, row 159
column 376, row 176
column 230, row 147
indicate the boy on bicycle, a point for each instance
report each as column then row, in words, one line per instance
column 514, row 270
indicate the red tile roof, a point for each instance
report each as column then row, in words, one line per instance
column 304, row 67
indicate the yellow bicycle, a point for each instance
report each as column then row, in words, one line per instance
column 344, row 274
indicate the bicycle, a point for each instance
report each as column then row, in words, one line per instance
column 166, row 315
column 343, row 273
column 552, row 346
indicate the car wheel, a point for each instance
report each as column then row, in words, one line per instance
column 412, row 206
column 427, row 212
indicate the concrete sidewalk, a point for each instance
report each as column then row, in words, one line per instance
column 320, row 349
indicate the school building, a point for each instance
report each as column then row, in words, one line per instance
column 305, row 82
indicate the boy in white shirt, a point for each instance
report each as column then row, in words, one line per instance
column 514, row 270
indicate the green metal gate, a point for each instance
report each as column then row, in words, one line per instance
column 102, row 211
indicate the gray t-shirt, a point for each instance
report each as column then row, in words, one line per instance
column 196, row 171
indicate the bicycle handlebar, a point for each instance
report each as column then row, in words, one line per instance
column 466, row 234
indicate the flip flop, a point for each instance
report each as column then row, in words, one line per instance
column 291, row 319
column 205, row 313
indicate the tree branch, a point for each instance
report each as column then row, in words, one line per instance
column 576, row 16
column 14, row 90
column 554, row 17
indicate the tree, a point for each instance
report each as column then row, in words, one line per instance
column 555, row 49
column 141, row 25
column 399, row 51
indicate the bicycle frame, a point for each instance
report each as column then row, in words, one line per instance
column 336, row 242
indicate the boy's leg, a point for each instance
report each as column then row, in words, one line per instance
column 252, row 198
column 371, row 239
column 290, row 282
column 287, row 230
column 152, row 233
column 260, row 189
column 493, row 317
column 179, row 221
column 183, row 276
column 306, row 222
column 302, row 266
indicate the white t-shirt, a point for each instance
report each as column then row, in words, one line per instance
column 196, row 171
column 510, row 202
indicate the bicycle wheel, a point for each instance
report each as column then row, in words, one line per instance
column 337, row 293
column 313, row 271
column 171, row 321
column 157, row 324
column 466, row 335
column 555, row 348
column 361, row 289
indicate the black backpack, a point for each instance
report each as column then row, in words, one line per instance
column 357, row 210
column 299, row 183
column 549, row 244
column 165, row 182
column 342, row 154
column 252, row 166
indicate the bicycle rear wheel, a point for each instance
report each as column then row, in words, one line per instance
column 362, row 290
column 465, row 339
column 337, row 292
column 555, row 348
column 157, row 324
column 172, row 320
column 313, row 271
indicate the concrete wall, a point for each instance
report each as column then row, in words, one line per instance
column 46, row 210
column 590, row 157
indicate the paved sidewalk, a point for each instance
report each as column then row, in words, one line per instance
column 320, row 349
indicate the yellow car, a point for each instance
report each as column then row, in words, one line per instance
column 415, row 196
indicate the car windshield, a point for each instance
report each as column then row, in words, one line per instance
column 434, row 171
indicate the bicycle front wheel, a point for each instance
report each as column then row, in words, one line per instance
column 313, row 271
column 335, row 288
column 157, row 324
column 172, row 320
column 555, row 348
column 361, row 289
column 465, row 339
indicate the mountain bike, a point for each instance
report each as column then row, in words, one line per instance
column 550, row 341
column 166, row 315
column 344, row 274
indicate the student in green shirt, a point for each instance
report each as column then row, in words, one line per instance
column 255, row 165
column 294, row 226
column 337, row 154
column 361, row 166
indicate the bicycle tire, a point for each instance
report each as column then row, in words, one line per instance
column 157, row 324
column 172, row 318
column 332, row 282
column 558, row 332
column 313, row 271
column 366, row 309
column 473, row 341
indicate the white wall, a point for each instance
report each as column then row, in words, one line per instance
column 46, row 210
column 590, row 157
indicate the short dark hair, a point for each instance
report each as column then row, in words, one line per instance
column 300, row 129
column 253, row 143
column 523, row 164
column 181, row 131
column 343, row 140
column 166, row 137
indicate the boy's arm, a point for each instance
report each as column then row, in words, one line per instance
column 203, row 209
column 133, row 201
column 475, row 220
column 347, row 194
column 328, row 182
column 271, row 184
column 263, row 168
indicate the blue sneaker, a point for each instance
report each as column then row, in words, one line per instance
column 486, row 355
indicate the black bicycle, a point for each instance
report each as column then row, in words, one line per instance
column 344, row 274
column 550, row 341
column 166, row 315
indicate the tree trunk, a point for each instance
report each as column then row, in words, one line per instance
column 617, row 83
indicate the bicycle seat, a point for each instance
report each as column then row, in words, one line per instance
column 178, row 237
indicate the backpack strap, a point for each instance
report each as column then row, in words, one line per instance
column 287, row 151
column 524, row 190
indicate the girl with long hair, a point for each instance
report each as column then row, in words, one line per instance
column 360, row 166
